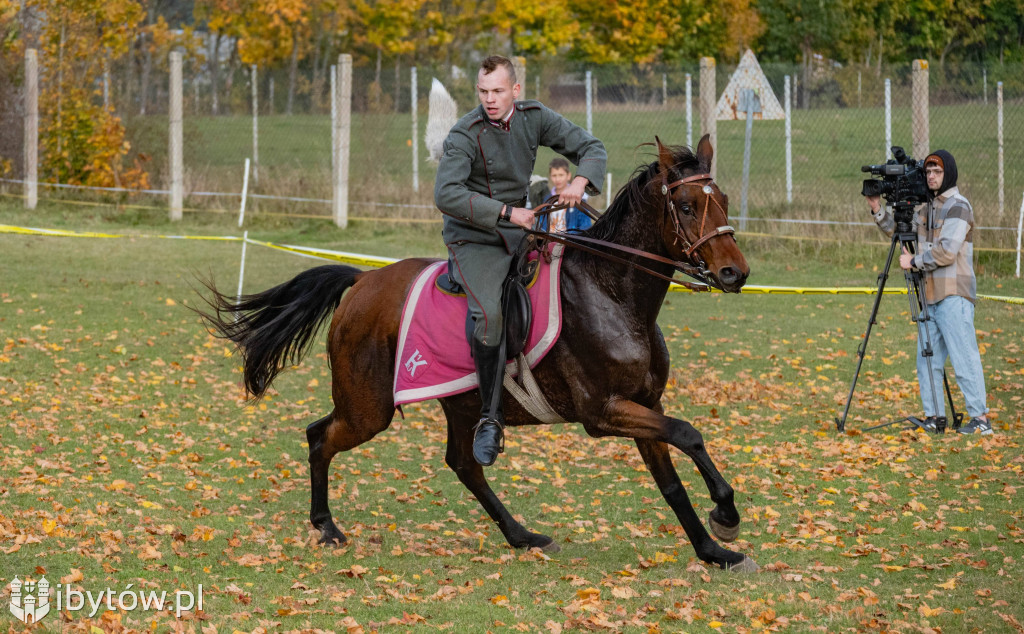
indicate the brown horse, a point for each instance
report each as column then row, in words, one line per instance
column 607, row 370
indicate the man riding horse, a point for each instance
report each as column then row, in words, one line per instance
column 481, row 188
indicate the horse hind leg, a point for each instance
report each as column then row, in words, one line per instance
column 319, row 471
column 326, row 437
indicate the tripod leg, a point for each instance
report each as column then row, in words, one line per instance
column 930, row 360
column 956, row 417
column 862, row 348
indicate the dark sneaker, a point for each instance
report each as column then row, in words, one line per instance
column 977, row 426
column 928, row 424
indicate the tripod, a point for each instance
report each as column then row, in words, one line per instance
column 904, row 236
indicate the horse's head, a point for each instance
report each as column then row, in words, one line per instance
column 695, row 226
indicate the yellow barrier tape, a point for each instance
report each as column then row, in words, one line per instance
column 67, row 233
column 796, row 290
column 374, row 261
column 337, row 256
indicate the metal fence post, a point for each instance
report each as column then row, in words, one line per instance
column 789, row 145
column 176, row 149
column 31, row 156
column 919, row 119
column 414, row 107
column 708, row 91
column 343, row 136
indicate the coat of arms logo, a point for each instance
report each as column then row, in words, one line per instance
column 30, row 600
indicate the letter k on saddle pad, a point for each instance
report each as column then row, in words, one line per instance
column 433, row 358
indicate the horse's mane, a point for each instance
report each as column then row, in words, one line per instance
column 633, row 194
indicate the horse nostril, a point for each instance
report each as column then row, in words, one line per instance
column 728, row 275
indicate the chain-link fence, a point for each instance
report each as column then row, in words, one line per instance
column 838, row 123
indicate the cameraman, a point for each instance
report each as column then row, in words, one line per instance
column 945, row 255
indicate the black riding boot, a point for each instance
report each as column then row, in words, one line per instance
column 489, row 437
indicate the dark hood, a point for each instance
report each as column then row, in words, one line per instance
column 948, row 168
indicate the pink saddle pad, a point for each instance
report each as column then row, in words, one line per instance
column 433, row 358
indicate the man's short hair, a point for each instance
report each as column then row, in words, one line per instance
column 559, row 163
column 492, row 63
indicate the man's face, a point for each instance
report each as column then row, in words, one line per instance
column 558, row 177
column 496, row 92
column 933, row 174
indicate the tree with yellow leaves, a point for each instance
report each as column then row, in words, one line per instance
column 83, row 142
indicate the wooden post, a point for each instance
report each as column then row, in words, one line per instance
column 999, row 132
column 415, row 132
column 31, row 156
column 590, row 104
column 343, row 136
column 255, row 128
column 689, row 110
column 919, row 119
column 789, row 145
column 176, row 151
column 519, row 64
column 708, row 93
column 888, row 119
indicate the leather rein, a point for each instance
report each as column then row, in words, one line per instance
column 695, row 269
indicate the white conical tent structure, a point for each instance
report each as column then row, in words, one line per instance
column 748, row 75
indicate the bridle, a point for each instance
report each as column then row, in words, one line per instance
column 690, row 246
column 695, row 267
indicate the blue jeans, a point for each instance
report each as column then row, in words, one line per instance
column 951, row 328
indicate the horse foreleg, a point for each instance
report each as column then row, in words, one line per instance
column 319, row 469
column 632, row 420
column 659, row 462
column 459, row 457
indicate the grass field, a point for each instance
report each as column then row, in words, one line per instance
column 131, row 458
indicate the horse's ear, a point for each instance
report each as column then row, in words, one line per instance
column 665, row 157
column 705, row 153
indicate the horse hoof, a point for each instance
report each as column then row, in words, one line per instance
column 333, row 538
column 724, row 533
column 745, row 565
column 551, row 547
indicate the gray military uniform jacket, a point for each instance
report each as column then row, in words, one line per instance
column 484, row 167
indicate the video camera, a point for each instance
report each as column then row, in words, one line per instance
column 903, row 182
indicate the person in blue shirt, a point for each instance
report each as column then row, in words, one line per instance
column 563, row 220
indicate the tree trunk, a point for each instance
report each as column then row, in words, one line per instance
column 229, row 81
column 398, row 83
column 293, row 71
column 376, row 80
column 214, row 73
column 147, row 67
column 806, row 97
column 318, row 80
column 881, row 43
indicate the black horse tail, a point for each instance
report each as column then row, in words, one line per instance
column 273, row 329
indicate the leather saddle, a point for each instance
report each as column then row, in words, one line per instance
column 516, row 308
